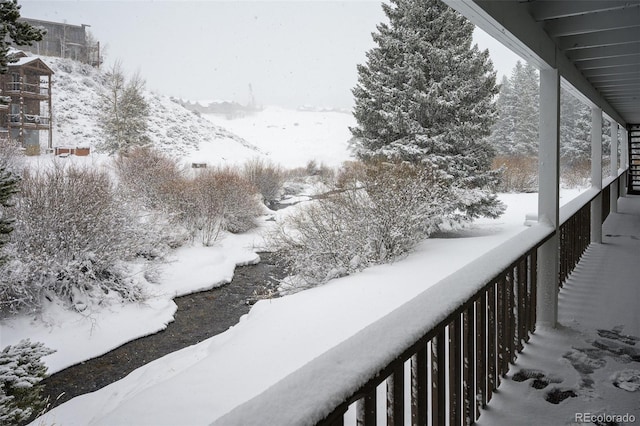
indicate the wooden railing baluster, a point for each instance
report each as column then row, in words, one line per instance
column 481, row 354
column 438, row 379
column 455, row 397
column 468, row 364
column 395, row 396
column 492, row 346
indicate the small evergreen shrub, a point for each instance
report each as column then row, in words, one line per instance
column 21, row 368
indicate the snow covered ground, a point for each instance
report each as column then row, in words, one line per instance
column 322, row 136
column 199, row 384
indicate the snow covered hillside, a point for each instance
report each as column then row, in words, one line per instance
column 172, row 128
column 287, row 137
column 293, row 138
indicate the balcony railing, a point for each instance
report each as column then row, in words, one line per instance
column 39, row 120
column 37, row 89
column 439, row 357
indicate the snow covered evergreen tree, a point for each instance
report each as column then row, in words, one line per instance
column 21, row 368
column 504, row 128
column 124, row 117
column 426, row 95
column 515, row 133
column 526, row 94
column 8, row 187
column 21, row 33
column 575, row 130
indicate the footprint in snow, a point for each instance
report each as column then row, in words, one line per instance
column 540, row 379
column 628, row 380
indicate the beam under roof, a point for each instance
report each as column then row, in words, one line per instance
column 605, row 52
column 594, row 22
column 598, row 39
column 512, row 24
column 609, row 62
column 553, row 9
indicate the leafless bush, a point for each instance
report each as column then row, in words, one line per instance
column 577, row 174
column 151, row 177
column 222, row 200
column 321, row 171
column 266, row 177
column 157, row 189
column 70, row 238
column 380, row 213
column 519, row 173
column 11, row 159
column 212, row 201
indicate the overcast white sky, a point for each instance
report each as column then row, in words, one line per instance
column 292, row 53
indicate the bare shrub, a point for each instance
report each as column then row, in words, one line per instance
column 151, row 177
column 519, row 173
column 266, row 177
column 380, row 213
column 156, row 189
column 576, row 174
column 11, row 158
column 222, row 200
column 314, row 169
column 212, row 201
column 70, row 237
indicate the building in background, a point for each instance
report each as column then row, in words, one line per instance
column 65, row 41
column 25, row 102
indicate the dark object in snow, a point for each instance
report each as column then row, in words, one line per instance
column 523, row 375
column 540, row 379
column 621, row 351
column 615, row 335
column 556, row 395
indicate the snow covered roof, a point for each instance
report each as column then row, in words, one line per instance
column 29, row 60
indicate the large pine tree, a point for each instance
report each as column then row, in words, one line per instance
column 575, row 131
column 504, row 128
column 426, row 95
column 526, row 92
column 515, row 133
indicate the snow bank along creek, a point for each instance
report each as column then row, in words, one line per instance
column 199, row 316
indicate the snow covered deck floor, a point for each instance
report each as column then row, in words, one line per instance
column 588, row 366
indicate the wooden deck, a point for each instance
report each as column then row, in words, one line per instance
column 580, row 366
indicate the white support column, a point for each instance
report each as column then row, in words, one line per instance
column 613, row 196
column 596, row 174
column 548, row 196
column 624, row 153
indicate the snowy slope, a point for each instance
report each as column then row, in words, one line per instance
column 287, row 137
column 292, row 138
column 172, row 128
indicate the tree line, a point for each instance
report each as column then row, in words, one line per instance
column 515, row 133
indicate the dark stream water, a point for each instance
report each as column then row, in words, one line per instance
column 199, row 316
